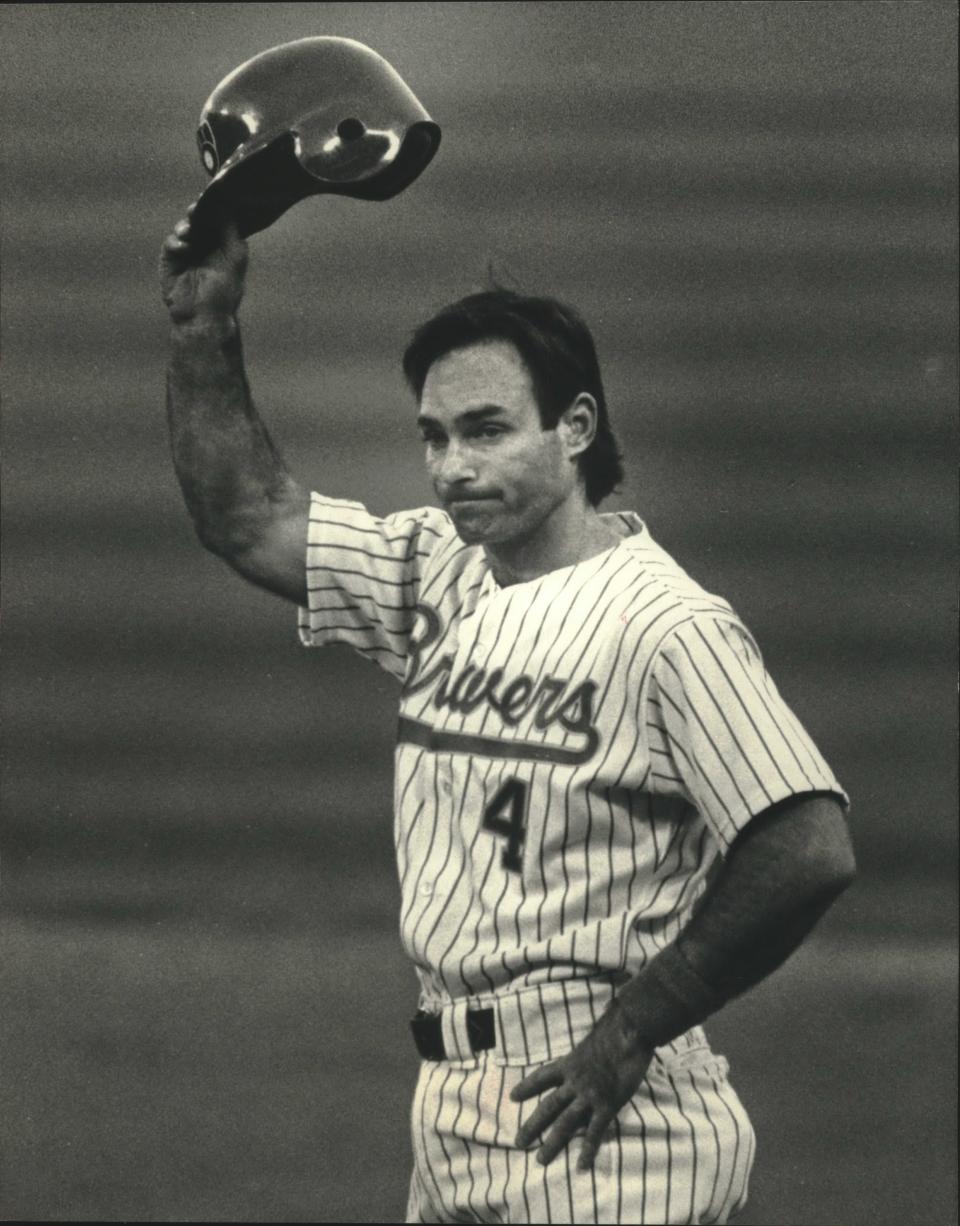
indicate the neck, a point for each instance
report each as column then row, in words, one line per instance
column 572, row 533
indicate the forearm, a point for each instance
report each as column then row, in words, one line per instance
column 780, row 877
column 228, row 468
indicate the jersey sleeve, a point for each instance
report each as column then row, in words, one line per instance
column 721, row 734
column 363, row 577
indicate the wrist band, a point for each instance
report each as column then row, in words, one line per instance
column 666, row 998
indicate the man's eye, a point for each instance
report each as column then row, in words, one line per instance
column 489, row 431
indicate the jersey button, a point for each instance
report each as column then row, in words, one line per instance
column 426, row 888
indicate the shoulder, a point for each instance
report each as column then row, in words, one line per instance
column 669, row 622
column 330, row 516
column 661, row 595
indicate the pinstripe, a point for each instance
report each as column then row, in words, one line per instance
column 411, row 901
column 619, row 1173
column 423, row 1136
column 569, row 1183
column 360, row 574
column 504, row 1152
column 409, row 526
column 369, row 553
column 491, row 1211
column 561, row 664
column 543, row 824
column 492, row 856
column 574, row 1216
column 668, row 1147
column 453, row 1132
column 748, row 1164
column 455, row 828
column 798, row 735
column 368, row 616
column 739, row 696
column 643, row 1151
column 477, row 910
column 437, row 651
column 693, row 1148
column 591, row 637
column 721, row 712
column 496, row 927
column 667, row 722
column 449, row 1179
column 640, row 644
column 711, row 1200
column 419, row 528
column 545, row 1183
column 542, row 864
column 344, row 591
column 695, row 766
column 546, row 1024
column 721, row 760
column 403, row 857
column 427, row 586
column 542, row 671
column 736, row 1129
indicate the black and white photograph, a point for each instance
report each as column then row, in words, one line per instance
column 479, row 612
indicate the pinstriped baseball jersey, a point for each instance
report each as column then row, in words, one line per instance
column 574, row 751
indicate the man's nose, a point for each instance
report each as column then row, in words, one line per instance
column 456, row 465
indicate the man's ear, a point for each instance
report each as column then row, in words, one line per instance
column 577, row 426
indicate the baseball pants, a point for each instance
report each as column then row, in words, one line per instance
column 679, row 1152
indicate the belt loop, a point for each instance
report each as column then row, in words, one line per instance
column 456, row 1041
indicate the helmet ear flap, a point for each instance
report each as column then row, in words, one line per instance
column 340, row 152
column 218, row 137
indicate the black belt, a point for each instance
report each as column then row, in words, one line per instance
column 428, row 1033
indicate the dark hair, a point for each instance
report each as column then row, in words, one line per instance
column 556, row 347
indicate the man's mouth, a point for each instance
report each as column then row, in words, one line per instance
column 465, row 501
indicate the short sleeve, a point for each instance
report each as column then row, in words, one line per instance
column 721, row 734
column 363, row 577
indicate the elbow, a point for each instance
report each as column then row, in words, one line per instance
column 230, row 538
column 833, row 867
column 213, row 538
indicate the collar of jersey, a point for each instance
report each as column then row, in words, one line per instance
column 628, row 519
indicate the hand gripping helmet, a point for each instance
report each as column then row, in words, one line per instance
column 319, row 115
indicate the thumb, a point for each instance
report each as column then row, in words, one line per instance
column 233, row 245
column 232, row 242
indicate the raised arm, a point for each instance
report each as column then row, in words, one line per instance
column 245, row 505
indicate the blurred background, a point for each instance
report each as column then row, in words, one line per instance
column 754, row 205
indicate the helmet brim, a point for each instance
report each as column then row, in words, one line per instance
column 260, row 187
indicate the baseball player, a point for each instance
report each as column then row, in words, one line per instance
column 607, row 821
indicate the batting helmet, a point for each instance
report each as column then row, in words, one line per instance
column 314, row 116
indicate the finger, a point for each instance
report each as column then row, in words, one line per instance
column 174, row 241
column 542, row 1118
column 182, row 228
column 569, row 1122
column 174, row 247
column 233, row 244
column 599, row 1122
column 546, row 1077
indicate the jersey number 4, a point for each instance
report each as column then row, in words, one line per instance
column 506, row 815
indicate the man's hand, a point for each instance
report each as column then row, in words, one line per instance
column 197, row 280
column 592, row 1083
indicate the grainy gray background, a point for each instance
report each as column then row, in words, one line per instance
column 754, row 205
